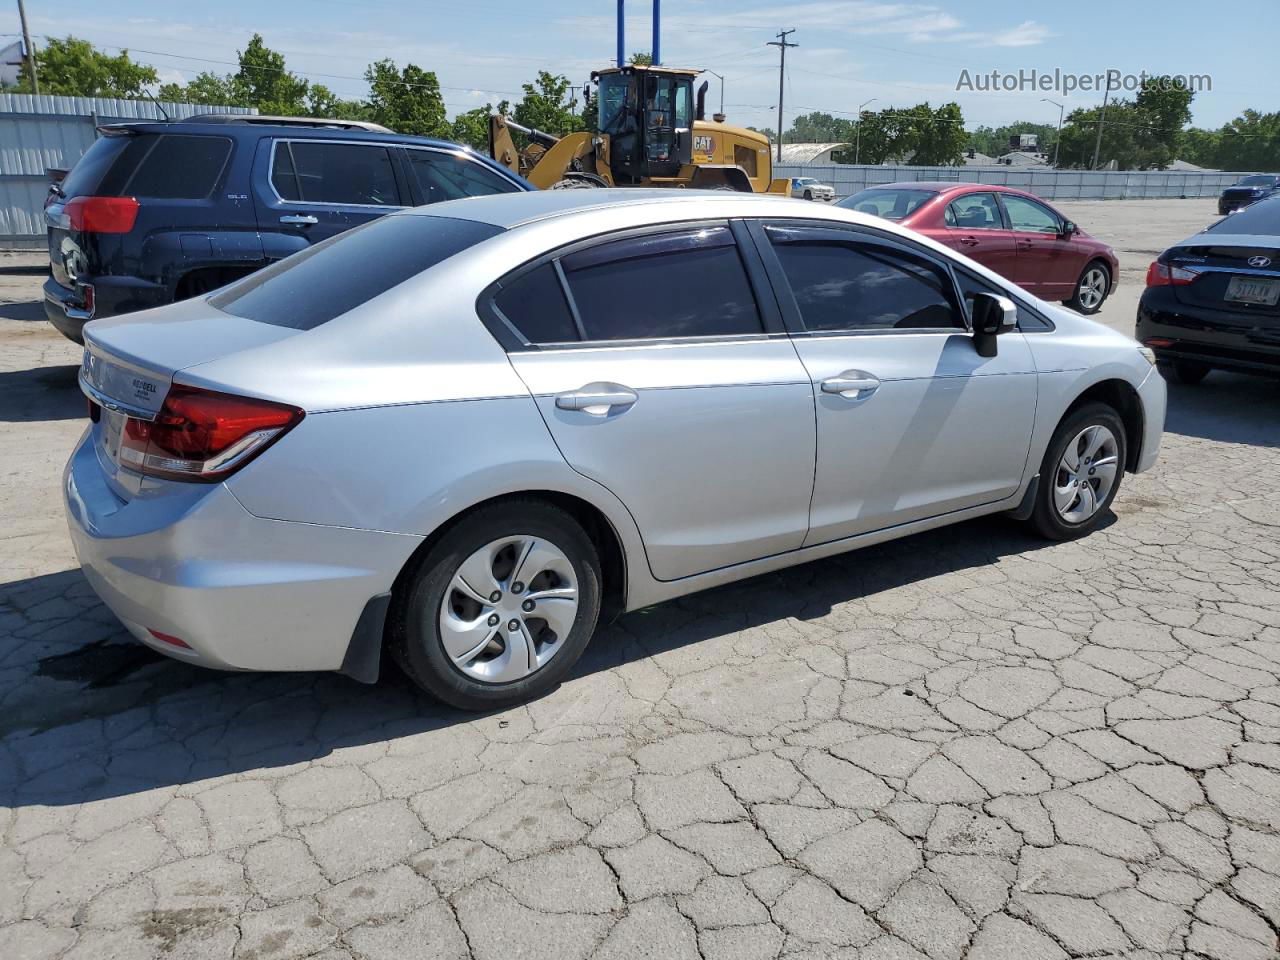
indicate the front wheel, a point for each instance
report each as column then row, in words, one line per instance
column 1091, row 289
column 1080, row 473
column 500, row 609
column 808, row 194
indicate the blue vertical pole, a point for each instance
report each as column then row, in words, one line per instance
column 622, row 38
column 657, row 32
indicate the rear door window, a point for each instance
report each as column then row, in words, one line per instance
column 974, row 211
column 689, row 283
column 339, row 274
column 450, row 176
column 87, row 176
column 361, row 174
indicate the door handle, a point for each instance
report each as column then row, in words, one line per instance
column 301, row 219
column 969, row 241
column 852, row 385
column 598, row 399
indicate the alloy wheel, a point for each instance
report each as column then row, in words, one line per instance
column 1093, row 287
column 508, row 609
column 1086, row 473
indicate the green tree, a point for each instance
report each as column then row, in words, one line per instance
column 1144, row 133
column 406, row 100
column 994, row 141
column 205, row 88
column 642, row 59
column 1250, row 142
column 75, row 68
column 918, row 134
column 546, row 106
column 820, row 128
column 263, row 81
column 472, row 127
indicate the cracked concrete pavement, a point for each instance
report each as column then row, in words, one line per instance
column 966, row 744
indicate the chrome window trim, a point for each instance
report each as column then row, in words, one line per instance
column 271, row 172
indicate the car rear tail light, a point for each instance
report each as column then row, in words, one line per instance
column 1157, row 342
column 202, row 435
column 1162, row 275
column 102, row 214
column 169, row 639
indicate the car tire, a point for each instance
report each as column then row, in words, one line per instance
column 419, row 615
column 1052, row 516
column 1185, row 372
column 1085, row 298
column 808, row 194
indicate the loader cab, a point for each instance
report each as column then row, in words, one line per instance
column 647, row 113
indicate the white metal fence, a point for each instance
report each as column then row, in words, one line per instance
column 37, row 133
column 848, row 178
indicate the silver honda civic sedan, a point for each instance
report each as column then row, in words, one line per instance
column 460, row 433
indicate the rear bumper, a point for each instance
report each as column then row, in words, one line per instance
column 243, row 593
column 1219, row 339
column 64, row 306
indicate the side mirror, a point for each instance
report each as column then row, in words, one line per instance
column 1068, row 228
column 992, row 316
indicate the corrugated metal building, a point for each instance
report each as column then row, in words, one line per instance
column 37, row 133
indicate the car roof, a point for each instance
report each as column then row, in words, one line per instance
column 293, row 131
column 942, row 186
column 513, row 209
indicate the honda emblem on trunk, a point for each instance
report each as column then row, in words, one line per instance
column 1259, row 262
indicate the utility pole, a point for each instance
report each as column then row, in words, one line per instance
column 1102, row 117
column 782, row 44
column 31, row 51
column 1058, row 141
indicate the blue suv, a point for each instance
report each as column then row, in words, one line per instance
column 157, row 212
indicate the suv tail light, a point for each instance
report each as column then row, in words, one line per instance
column 102, row 214
column 202, row 435
column 1162, row 275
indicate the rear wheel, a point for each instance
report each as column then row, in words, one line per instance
column 500, row 609
column 808, row 194
column 1091, row 289
column 1080, row 474
column 1184, row 371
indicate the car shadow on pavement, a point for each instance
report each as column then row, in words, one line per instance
column 1228, row 408
column 42, row 393
column 30, row 310
column 86, row 712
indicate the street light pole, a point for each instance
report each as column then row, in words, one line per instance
column 1057, row 143
column 31, row 50
column 714, row 74
column 857, row 140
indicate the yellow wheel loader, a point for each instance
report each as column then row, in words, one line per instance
column 650, row 133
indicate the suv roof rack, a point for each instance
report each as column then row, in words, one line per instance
column 251, row 118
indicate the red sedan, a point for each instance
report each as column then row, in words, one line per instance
column 1016, row 234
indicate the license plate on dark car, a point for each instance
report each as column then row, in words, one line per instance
column 1254, row 290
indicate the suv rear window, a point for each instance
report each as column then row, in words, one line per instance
column 166, row 167
column 339, row 274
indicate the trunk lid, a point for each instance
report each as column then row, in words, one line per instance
column 130, row 362
column 1238, row 274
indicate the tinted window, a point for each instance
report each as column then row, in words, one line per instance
column 890, row 204
column 1260, row 218
column 91, row 169
column 447, row 176
column 851, row 285
column 282, row 175
column 1028, row 216
column 339, row 274
column 969, row 285
column 534, row 304
column 354, row 173
column 1258, row 181
column 180, row 168
column 974, row 211
column 686, row 284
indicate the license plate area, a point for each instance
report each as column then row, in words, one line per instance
column 1259, row 291
column 112, row 430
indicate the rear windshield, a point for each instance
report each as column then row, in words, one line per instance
column 890, row 204
column 168, row 167
column 1260, row 218
column 327, row 280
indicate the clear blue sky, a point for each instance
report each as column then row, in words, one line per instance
column 898, row 53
